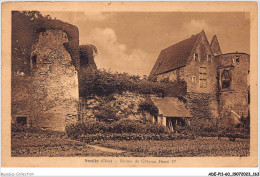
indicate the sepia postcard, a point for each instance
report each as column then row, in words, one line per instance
column 129, row 84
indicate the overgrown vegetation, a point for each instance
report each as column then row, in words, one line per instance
column 26, row 26
column 118, row 127
column 20, row 130
column 37, row 144
column 104, row 83
column 107, row 114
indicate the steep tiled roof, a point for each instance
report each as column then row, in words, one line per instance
column 174, row 56
column 215, row 47
column 171, row 107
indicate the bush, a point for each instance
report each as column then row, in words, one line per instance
column 104, row 83
column 132, row 136
column 19, row 130
column 77, row 130
column 130, row 126
column 121, row 126
column 107, row 114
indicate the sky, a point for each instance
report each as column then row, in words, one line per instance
column 131, row 41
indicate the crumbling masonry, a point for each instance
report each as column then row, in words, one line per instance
column 47, row 95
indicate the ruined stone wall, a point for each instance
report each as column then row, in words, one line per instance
column 125, row 106
column 20, row 98
column 233, row 97
column 55, row 82
column 26, row 28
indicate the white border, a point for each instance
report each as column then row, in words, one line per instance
column 87, row 171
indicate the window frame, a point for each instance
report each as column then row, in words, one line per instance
column 222, row 79
column 193, row 79
column 203, row 77
column 196, row 57
column 209, row 58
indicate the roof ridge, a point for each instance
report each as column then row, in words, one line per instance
column 192, row 36
column 175, row 56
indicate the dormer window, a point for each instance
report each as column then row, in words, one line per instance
column 209, row 58
column 196, row 56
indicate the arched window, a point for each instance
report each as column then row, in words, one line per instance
column 225, row 79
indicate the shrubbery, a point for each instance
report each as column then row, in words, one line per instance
column 132, row 136
column 107, row 113
column 121, row 126
column 20, row 130
column 129, row 126
column 103, row 83
column 122, row 130
column 26, row 26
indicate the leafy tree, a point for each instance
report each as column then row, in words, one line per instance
column 104, row 83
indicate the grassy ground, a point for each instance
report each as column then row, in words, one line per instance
column 40, row 144
column 183, row 148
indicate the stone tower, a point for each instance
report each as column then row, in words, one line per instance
column 54, row 86
column 233, row 69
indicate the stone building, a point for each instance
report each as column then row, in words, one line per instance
column 55, row 81
column 47, row 96
column 171, row 113
column 52, row 87
column 233, row 83
column 217, row 84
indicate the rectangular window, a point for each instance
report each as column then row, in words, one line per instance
column 193, row 79
column 209, row 58
column 21, row 121
column 203, row 83
column 203, row 70
column 196, row 56
column 203, row 77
